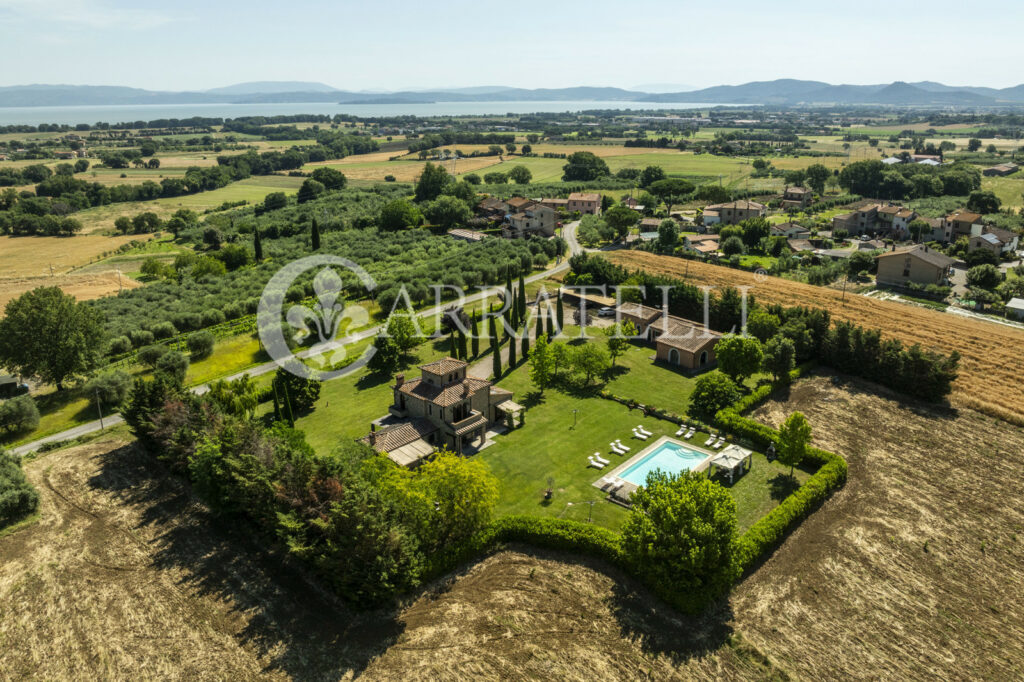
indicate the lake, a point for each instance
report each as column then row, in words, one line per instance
column 72, row 115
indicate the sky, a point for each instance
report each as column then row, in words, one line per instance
column 413, row 44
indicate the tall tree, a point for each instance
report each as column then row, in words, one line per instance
column 474, row 330
column 525, row 343
column 257, row 245
column 496, row 360
column 431, row 183
column 618, row 338
column 542, row 363
column 794, row 436
column 670, row 190
column 738, row 356
column 512, row 352
column 314, row 235
column 48, row 334
column 559, row 313
column 521, row 300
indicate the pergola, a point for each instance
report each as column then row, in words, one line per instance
column 733, row 460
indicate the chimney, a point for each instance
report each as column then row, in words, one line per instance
column 465, row 390
column 399, row 380
column 373, row 433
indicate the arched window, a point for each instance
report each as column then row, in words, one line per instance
column 703, row 358
column 673, row 357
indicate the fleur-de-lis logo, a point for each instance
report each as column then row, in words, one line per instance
column 322, row 322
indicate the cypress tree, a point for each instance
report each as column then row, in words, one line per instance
column 550, row 331
column 526, row 344
column 314, row 236
column 288, row 408
column 463, row 354
column 540, row 325
column 277, row 405
column 496, row 361
column 558, row 311
column 475, row 331
column 493, row 334
column 257, row 245
column 522, row 299
column 453, row 349
column 512, row 353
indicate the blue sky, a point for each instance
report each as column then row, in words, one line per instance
column 399, row 44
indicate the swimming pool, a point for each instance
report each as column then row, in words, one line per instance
column 670, row 457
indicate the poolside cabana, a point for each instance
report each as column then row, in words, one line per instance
column 733, row 461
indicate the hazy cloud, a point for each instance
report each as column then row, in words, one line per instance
column 84, row 14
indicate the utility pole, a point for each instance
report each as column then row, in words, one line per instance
column 99, row 408
column 846, row 278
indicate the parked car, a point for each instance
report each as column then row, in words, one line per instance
column 606, row 312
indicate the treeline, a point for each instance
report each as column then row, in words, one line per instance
column 368, row 529
column 170, row 123
column 848, row 348
column 448, row 137
column 875, row 179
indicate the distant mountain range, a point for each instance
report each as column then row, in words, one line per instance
column 788, row 92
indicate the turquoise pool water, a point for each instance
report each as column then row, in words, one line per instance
column 672, row 458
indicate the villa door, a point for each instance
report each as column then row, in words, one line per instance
column 673, row 357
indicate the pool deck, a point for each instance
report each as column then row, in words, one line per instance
column 611, row 480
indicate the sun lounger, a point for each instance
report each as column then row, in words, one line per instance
column 710, row 441
column 618, row 484
column 681, row 431
column 719, row 443
column 689, row 434
column 617, row 450
column 602, row 460
column 606, row 481
column 637, row 434
column 622, row 445
column 594, row 463
column 644, row 431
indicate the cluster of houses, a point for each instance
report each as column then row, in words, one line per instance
column 892, row 220
column 520, row 217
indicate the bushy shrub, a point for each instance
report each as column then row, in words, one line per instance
column 163, row 330
column 200, row 344
column 120, row 345
column 211, row 317
column 17, row 496
column 151, row 354
column 141, row 337
column 172, row 365
column 111, row 387
column 18, row 415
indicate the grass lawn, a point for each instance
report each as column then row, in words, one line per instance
column 230, row 355
column 551, row 446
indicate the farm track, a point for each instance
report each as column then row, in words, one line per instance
column 991, row 364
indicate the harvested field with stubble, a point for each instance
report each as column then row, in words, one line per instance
column 913, row 570
column 83, row 286
column 126, row 576
column 991, row 365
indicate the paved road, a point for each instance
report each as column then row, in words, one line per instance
column 568, row 233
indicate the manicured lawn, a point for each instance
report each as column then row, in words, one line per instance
column 549, row 445
column 229, row 356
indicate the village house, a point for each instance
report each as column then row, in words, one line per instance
column 799, row 245
column 733, row 212
column 531, row 219
column 919, row 264
column 1001, row 169
column 630, row 202
column 492, row 209
column 702, row 244
column 856, row 222
column 789, row 231
column 677, row 341
column 466, row 235
column 797, row 198
column 588, row 203
column 443, row 408
column 961, row 223
column 895, row 219
column 994, row 239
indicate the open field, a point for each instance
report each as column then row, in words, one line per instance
column 84, row 287
column 990, row 366
column 903, row 574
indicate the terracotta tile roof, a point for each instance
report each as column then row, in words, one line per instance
column 443, row 366
column 742, row 204
column 965, row 217
column 519, row 203
column 798, row 190
column 1004, row 236
column 905, row 213
column 685, row 334
column 585, row 196
column 393, row 437
column 443, row 396
column 890, row 210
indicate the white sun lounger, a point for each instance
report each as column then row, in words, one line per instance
column 689, row 434
column 641, row 429
column 594, row 463
column 681, row 431
column 617, row 450
column 639, row 435
column 719, row 443
column 710, row 441
column 602, row 460
column 622, row 445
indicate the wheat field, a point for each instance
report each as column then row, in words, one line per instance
column 990, row 369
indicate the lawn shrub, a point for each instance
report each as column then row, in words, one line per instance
column 17, row 496
column 200, row 344
column 18, row 415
